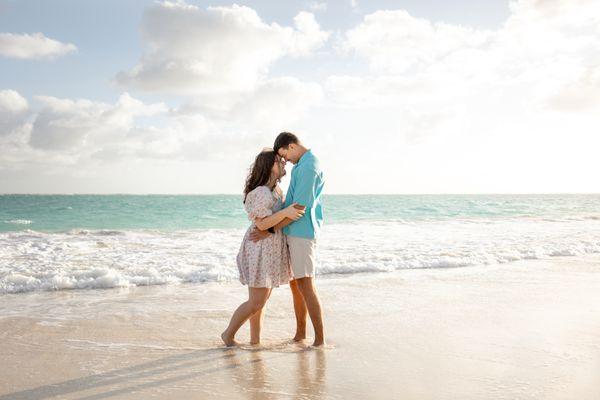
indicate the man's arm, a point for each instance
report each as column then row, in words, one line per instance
column 304, row 192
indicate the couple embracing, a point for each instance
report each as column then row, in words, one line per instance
column 279, row 246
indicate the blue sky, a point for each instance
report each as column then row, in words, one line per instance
column 396, row 96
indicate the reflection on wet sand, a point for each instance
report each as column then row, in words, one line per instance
column 259, row 373
column 311, row 374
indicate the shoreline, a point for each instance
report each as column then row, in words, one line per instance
column 516, row 330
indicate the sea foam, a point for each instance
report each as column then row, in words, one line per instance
column 88, row 259
column 19, row 221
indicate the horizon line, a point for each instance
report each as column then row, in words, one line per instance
column 326, row 194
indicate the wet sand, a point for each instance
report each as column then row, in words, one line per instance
column 526, row 330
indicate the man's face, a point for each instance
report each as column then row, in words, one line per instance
column 288, row 153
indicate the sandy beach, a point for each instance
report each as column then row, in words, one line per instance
column 524, row 330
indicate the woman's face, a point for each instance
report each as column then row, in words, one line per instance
column 278, row 170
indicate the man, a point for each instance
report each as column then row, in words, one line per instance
column 305, row 189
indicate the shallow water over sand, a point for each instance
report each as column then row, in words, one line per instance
column 522, row 330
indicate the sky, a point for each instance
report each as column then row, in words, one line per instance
column 415, row 96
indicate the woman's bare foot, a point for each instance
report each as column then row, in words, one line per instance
column 255, row 342
column 229, row 341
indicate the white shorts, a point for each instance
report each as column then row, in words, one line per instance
column 302, row 256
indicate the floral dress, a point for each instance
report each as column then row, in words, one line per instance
column 265, row 263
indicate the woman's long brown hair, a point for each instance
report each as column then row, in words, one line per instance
column 260, row 171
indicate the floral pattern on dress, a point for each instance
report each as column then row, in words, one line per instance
column 265, row 263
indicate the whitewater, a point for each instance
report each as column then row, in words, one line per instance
column 79, row 258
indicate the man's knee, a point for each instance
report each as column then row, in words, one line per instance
column 305, row 285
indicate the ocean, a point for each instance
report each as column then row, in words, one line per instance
column 59, row 242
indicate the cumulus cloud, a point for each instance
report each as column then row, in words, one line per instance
column 445, row 97
column 71, row 125
column 192, row 51
column 429, row 106
column 77, row 133
column 274, row 104
column 538, row 34
column 393, row 40
column 546, row 54
column 32, row 46
column 218, row 59
column 13, row 111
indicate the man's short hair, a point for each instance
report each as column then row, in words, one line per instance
column 283, row 140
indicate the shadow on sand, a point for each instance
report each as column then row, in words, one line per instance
column 247, row 369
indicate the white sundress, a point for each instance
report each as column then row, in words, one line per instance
column 265, row 263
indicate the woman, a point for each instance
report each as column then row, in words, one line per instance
column 264, row 264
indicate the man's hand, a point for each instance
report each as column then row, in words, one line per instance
column 257, row 235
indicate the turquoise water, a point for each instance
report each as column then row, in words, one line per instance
column 55, row 213
column 95, row 242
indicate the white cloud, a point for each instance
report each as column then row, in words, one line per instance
column 307, row 37
column 194, row 51
column 274, row 104
column 464, row 109
column 545, row 54
column 32, row 46
column 424, row 106
column 537, row 34
column 393, row 40
column 80, row 126
column 70, row 138
column 13, row 111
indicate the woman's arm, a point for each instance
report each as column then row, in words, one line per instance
column 289, row 213
column 256, row 234
column 285, row 222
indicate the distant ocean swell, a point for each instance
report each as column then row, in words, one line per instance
column 106, row 258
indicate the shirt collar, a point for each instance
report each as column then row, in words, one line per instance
column 305, row 156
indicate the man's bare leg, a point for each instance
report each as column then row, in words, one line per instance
column 300, row 310
column 309, row 293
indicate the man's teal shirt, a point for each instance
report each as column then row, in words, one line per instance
column 305, row 189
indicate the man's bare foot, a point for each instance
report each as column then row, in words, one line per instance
column 255, row 342
column 299, row 338
column 318, row 343
column 229, row 341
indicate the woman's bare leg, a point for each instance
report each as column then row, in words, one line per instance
column 256, row 322
column 257, row 297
